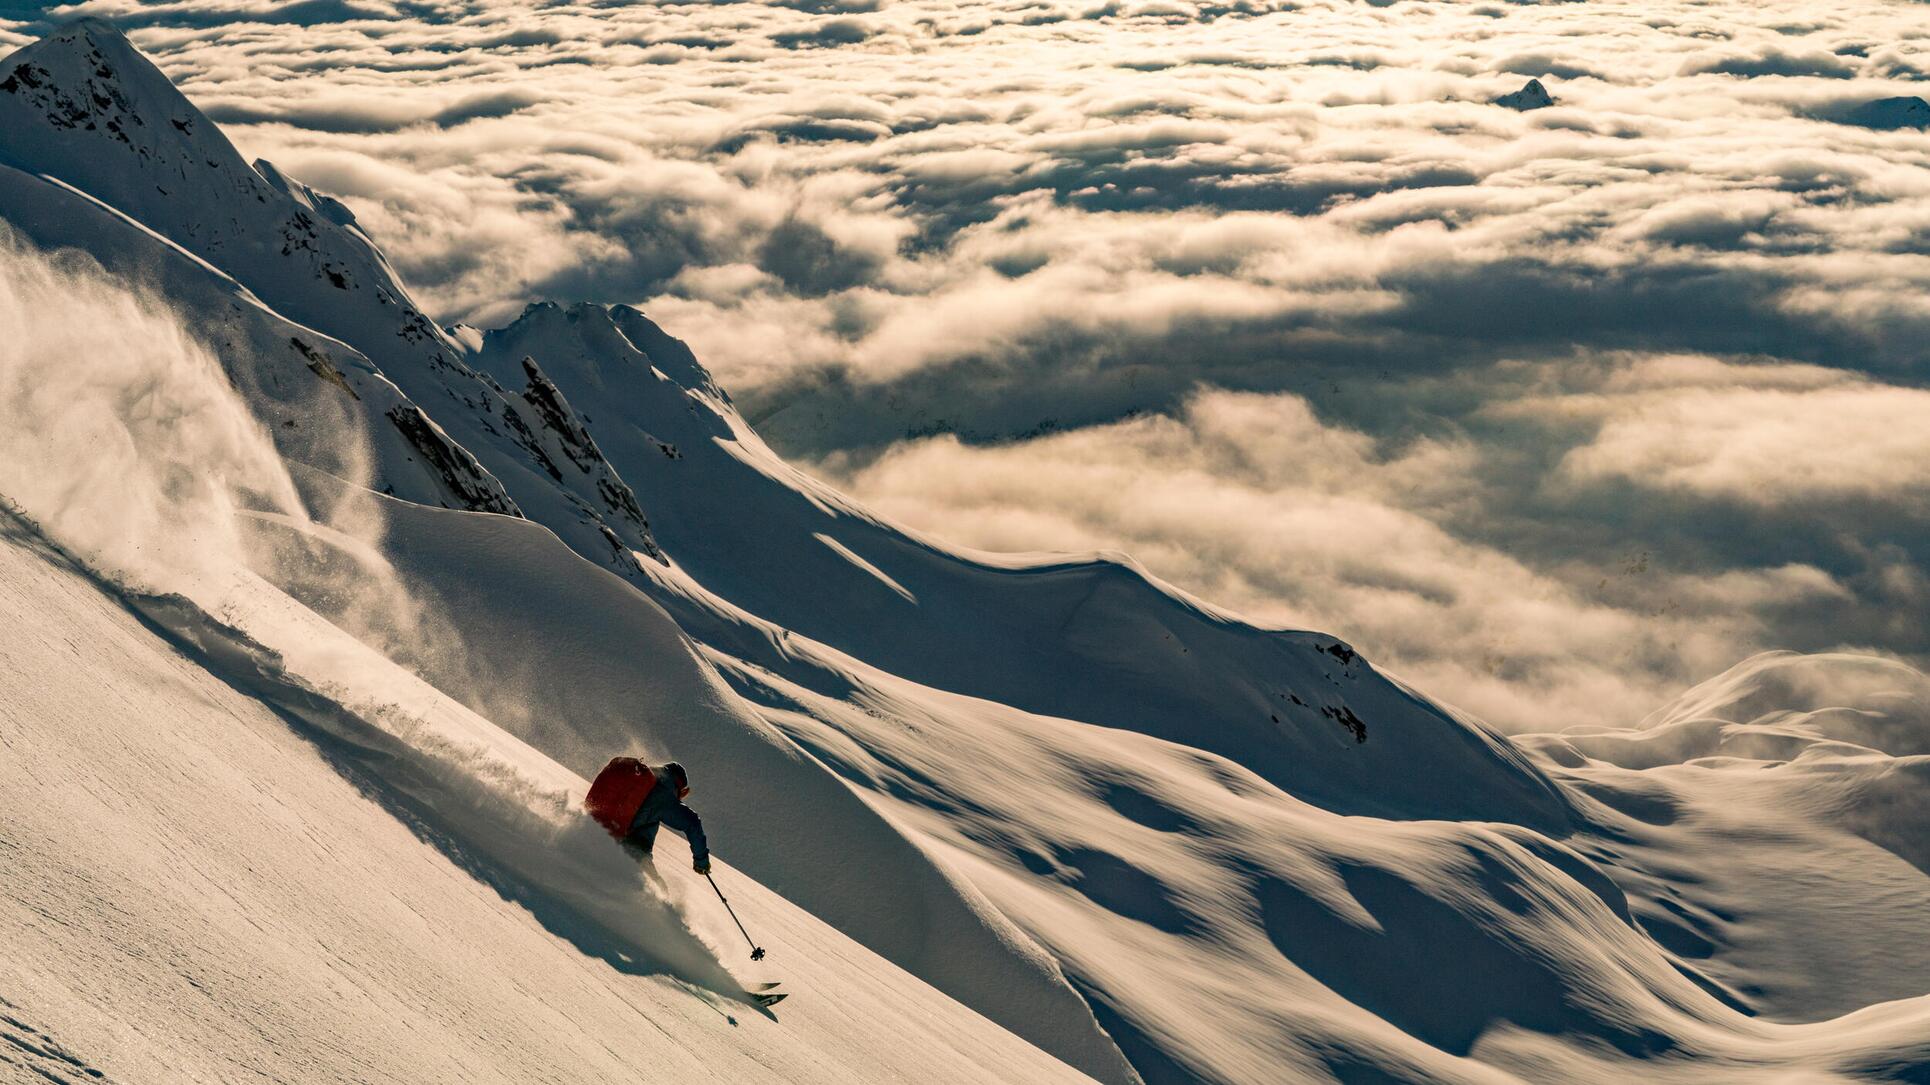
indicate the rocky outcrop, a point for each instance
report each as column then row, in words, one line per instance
column 467, row 483
column 560, row 435
column 320, row 365
column 557, row 417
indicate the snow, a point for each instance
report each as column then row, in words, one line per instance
column 584, row 667
column 200, row 887
column 82, row 109
column 1835, row 922
column 739, row 524
column 324, row 614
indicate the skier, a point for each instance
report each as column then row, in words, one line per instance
column 632, row 799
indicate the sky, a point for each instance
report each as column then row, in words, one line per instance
column 1552, row 413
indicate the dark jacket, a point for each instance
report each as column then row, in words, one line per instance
column 663, row 807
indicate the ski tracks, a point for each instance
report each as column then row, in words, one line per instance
column 32, row 1055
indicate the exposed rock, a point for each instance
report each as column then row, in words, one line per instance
column 1345, row 717
column 1532, row 95
column 558, row 418
column 322, row 367
column 465, row 480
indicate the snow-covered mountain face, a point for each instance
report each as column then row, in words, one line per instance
column 86, row 109
column 1108, row 824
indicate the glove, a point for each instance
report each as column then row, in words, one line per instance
column 701, row 866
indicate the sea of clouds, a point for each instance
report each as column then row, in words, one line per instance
column 1550, row 412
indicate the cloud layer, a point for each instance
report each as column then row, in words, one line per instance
column 1552, row 410
column 1564, row 556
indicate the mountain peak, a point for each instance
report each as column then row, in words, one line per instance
column 83, row 106
column 78, row 102
column 594, row 335
column 90, row 31
column 90, row 53
column 1532, row 95
column 1890, row 114
column 582, row 330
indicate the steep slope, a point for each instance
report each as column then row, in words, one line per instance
column 327, row 405
column 978, row 957
column 1229, row 933
column 83, row 109
column 199, row 887
column 1094, row 640
column 1235, row 919
column 582, row 666
column 1173, row 887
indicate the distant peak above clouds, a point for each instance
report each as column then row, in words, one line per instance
column 1891, row 113
column 1532, row 95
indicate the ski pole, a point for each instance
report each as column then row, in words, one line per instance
column 757, row 954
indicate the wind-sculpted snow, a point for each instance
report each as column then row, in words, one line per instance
column 1773, row 708
column 904, row 666
column 1174, row 886
column 1707, row 784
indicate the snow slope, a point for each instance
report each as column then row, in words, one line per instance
column 1032, row 997
column 1175, row 886
column 1116, row 825
column 1172, row 886
column 1303, row 902
column 583, row 666
column 1836, row 921
column 201, row 887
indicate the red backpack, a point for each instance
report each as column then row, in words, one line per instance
column 617, row 793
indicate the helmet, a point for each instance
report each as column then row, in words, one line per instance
column 678, row 777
